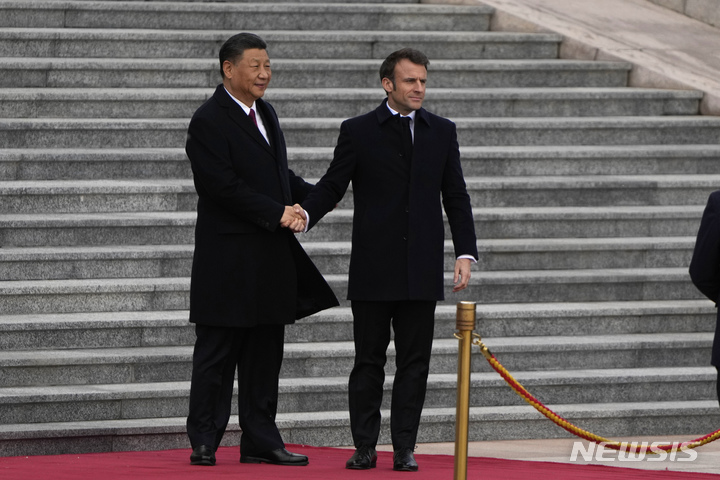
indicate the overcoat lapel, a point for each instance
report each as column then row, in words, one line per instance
column 278, row 145
column 423, row 150
column 241, row 119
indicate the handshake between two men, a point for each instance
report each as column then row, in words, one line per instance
column 294, row 218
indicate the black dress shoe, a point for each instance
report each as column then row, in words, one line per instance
column 276, row 457
column 364, row 458
column 203, row 455
column 404, row 460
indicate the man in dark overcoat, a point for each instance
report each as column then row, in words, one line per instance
column 705, row 267
column 404, row 164
column 250, row 276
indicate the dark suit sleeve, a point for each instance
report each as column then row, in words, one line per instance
column 705, row 263
column 456, row 202
column 208, row 149
column 333, row 185
column 299, row 188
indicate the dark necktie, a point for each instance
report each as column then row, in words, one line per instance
column 254, row 119
column 406, row 136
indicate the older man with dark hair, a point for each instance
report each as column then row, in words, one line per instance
column 250, row 276
column 401, row 160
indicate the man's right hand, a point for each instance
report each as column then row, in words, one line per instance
column 293, row 218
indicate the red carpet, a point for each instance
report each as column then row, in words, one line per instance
column 325, row 464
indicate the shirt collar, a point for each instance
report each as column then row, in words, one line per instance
column 412, row 114
column 245, row 108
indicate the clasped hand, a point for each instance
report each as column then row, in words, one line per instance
column 293, row 218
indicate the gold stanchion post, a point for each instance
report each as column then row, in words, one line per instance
column 465, row 326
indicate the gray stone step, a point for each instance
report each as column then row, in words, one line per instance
column 323, row 360
column 591, row 318
column 154, row 228
column 590, row 190
column 581, row 253
column 477, row 131
column 622, row 284
column 524, row 286
column 312, row 162
column 323, row 132
column 587, row 222
column 26, row 405
column 95, row 295
column 315, row 102
column 103, row 164
column 151, row 261
column 171, row 328
column 273, row 1
column 331, row 428
column 131, row 261
column 301, row 73
column 127, row 43
column 243, row 16
column 547, row 222
column 589, row 160
column 79, row 196
column 173, row 228
column 88, row 196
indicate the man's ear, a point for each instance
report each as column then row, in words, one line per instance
column 387, row 85
column 227, row 67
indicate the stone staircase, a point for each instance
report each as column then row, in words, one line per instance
column 587, row 195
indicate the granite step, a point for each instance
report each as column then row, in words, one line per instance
column 305, row 102
column 78, row 196
column 586, row 285
column 590, row 190
column 523, row 286
column 103, row 164
column 301, row 73
column 153, row 261
column 74, row 403
column 273, row 1
column 323, row 132
column 335, row 359
column 332, row 428
column 548, row 222
column 243, row 16
column 59, row 331
column 159, row 195
column 312, row 162
column 589, row 160
column 537, row 131
column 130, row 228
column 85, row 262
column 174, row 228
column 143, row 43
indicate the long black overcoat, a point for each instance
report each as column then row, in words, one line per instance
column 705, row 263
column 398, row 232
column 247, row 270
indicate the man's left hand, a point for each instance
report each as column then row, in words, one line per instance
column 462, row 274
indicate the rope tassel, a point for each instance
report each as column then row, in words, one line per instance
column 633, row 447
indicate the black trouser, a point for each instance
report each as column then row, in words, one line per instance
column 257, row 353
column 413, row 324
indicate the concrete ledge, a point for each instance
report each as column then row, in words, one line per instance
column 667, row 49
column 706, row 11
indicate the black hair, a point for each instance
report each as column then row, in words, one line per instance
column 387, row 69
column 235, row 46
